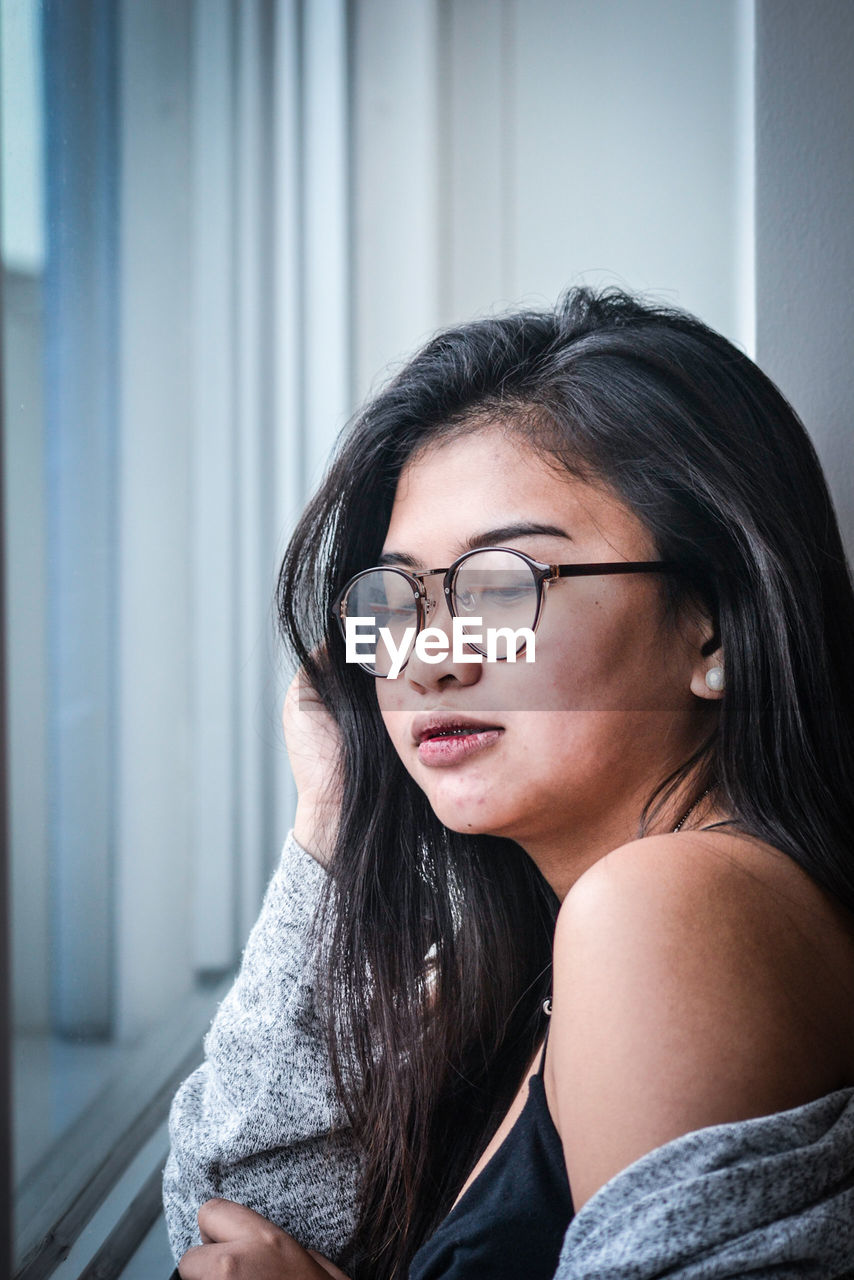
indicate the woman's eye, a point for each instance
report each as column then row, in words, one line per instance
column 386, row 612
column 491, row 597
column 506, row 595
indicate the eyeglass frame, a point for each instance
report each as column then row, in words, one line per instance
column 543, row 574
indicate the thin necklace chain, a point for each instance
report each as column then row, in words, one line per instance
column 688, row 812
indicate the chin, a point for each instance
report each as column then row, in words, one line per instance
column 456, row 823
column 472, row 806
column 475, row 821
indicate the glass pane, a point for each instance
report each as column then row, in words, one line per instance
column 143, row 706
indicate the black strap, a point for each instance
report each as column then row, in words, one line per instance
column 542, row 1067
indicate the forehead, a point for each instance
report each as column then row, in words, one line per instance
column 489, row 478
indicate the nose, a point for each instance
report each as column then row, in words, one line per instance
column 444, row 669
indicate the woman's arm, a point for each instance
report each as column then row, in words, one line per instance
column 258, row 1121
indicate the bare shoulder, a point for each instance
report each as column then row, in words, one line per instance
column 699, row 978
column 725, row 897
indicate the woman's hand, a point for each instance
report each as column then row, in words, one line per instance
column 241, row 1245
column 314, row 743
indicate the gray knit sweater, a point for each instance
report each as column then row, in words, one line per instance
column 258, row 1122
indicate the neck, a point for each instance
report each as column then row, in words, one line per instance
column 563, row 860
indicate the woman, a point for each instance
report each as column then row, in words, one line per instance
column 671, row 779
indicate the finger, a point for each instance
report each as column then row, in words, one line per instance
column 239, row 1261
column 269, row 1254
column 198, row 1263
column 224, row 1220
column 330, row 1267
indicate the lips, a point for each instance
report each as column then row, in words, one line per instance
column 446, row 738
column 435, row 725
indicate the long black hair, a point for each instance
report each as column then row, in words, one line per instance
column 704, row 449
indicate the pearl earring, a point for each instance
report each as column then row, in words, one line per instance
column 715, row 678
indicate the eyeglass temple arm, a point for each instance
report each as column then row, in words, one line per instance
column 613, row 566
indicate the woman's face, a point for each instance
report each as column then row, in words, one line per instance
column 574, row 742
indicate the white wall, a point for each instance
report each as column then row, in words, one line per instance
column 396, row 90
column 805, row 222
column 507, row 148
column 701, row 150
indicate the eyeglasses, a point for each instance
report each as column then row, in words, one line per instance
column 499, row 586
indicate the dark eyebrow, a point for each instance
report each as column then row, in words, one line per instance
column 488, row 538
column 509, row 532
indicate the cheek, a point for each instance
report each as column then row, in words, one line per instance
column 605, row 654
column 578, row 666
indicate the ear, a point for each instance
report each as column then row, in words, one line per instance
column 708, row 679
column 704, row 651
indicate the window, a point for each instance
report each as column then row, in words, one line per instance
column 157, row 344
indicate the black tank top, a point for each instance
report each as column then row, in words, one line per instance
column 510, row 1223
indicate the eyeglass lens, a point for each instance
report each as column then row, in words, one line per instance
column 497, row 587
column 384, row 598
